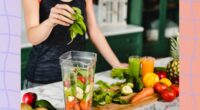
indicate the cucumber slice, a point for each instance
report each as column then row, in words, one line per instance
column 130, row 85
column 70, row 98
column 126, row 90
column 79, row 93
column 88, row 88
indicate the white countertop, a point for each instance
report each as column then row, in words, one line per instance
column 54, row 92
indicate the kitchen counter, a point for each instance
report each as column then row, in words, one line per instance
column 54, row 92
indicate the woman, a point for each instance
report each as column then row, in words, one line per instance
column 47, row 24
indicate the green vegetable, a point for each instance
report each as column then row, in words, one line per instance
column 104, row 94
column 138, row 84
column 73, row 84
column 114, row 93
column 80, row 84
column 102, row 84
column 44, row 104
column 126, row 90
column 119, row 73
column 78, row 27
column 108, row 99
column 119, row 100
column 130, row 85
column 83, row 73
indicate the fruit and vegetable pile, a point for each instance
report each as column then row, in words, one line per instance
column 30, row 102
column 163, row 81
column 141, row 80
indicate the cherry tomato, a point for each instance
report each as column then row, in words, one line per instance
column 175, row 88
column 161, row 74
column 82, row 79
column 159, row 87
column 168, row 95
column 29, row 98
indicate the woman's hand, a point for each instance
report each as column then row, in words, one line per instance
column 61, row 14
column 121, row 65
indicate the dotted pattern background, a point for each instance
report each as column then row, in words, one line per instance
column 10, row 29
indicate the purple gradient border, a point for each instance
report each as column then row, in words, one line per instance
column 10, row 30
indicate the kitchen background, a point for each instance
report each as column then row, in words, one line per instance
column 132, row 27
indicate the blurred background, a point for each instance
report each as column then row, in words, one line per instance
column 132, row 27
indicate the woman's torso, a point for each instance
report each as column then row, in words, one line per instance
column 43, row 65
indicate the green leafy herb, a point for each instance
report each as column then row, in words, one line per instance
column 80, row 84
column 106, row 93
column 102, row 84
column 78, row 27
column 119, row 73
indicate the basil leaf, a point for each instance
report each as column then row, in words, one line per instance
column 76, row 29
column 82, row 24
column 77, row 10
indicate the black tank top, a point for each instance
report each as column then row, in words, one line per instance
column 43, row 64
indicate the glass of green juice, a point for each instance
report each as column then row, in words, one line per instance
column 134, row 66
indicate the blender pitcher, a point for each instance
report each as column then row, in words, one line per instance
column 78, row 70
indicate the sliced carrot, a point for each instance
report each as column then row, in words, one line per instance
column 144, row 93
column 90, row 102
column 70, row 105
column 84, row 105
column 77, row 107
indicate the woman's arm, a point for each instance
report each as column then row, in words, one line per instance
column 98, row 38
column 39, row 32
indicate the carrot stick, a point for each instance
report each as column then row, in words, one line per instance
column 77, row 107
column 144, row 93
column 84, row 105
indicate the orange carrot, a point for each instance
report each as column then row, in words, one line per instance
column 84, row 105
column 144, row 93
column 70, row 105
column 77, row 107
column 90, row 102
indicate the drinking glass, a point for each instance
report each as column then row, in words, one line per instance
column 147, row 65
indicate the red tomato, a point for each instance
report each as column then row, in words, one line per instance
column 82, row 79
column 159, row 87
column 175, row 88
column 29, row 98
column 161, row 74
column 168, row 95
